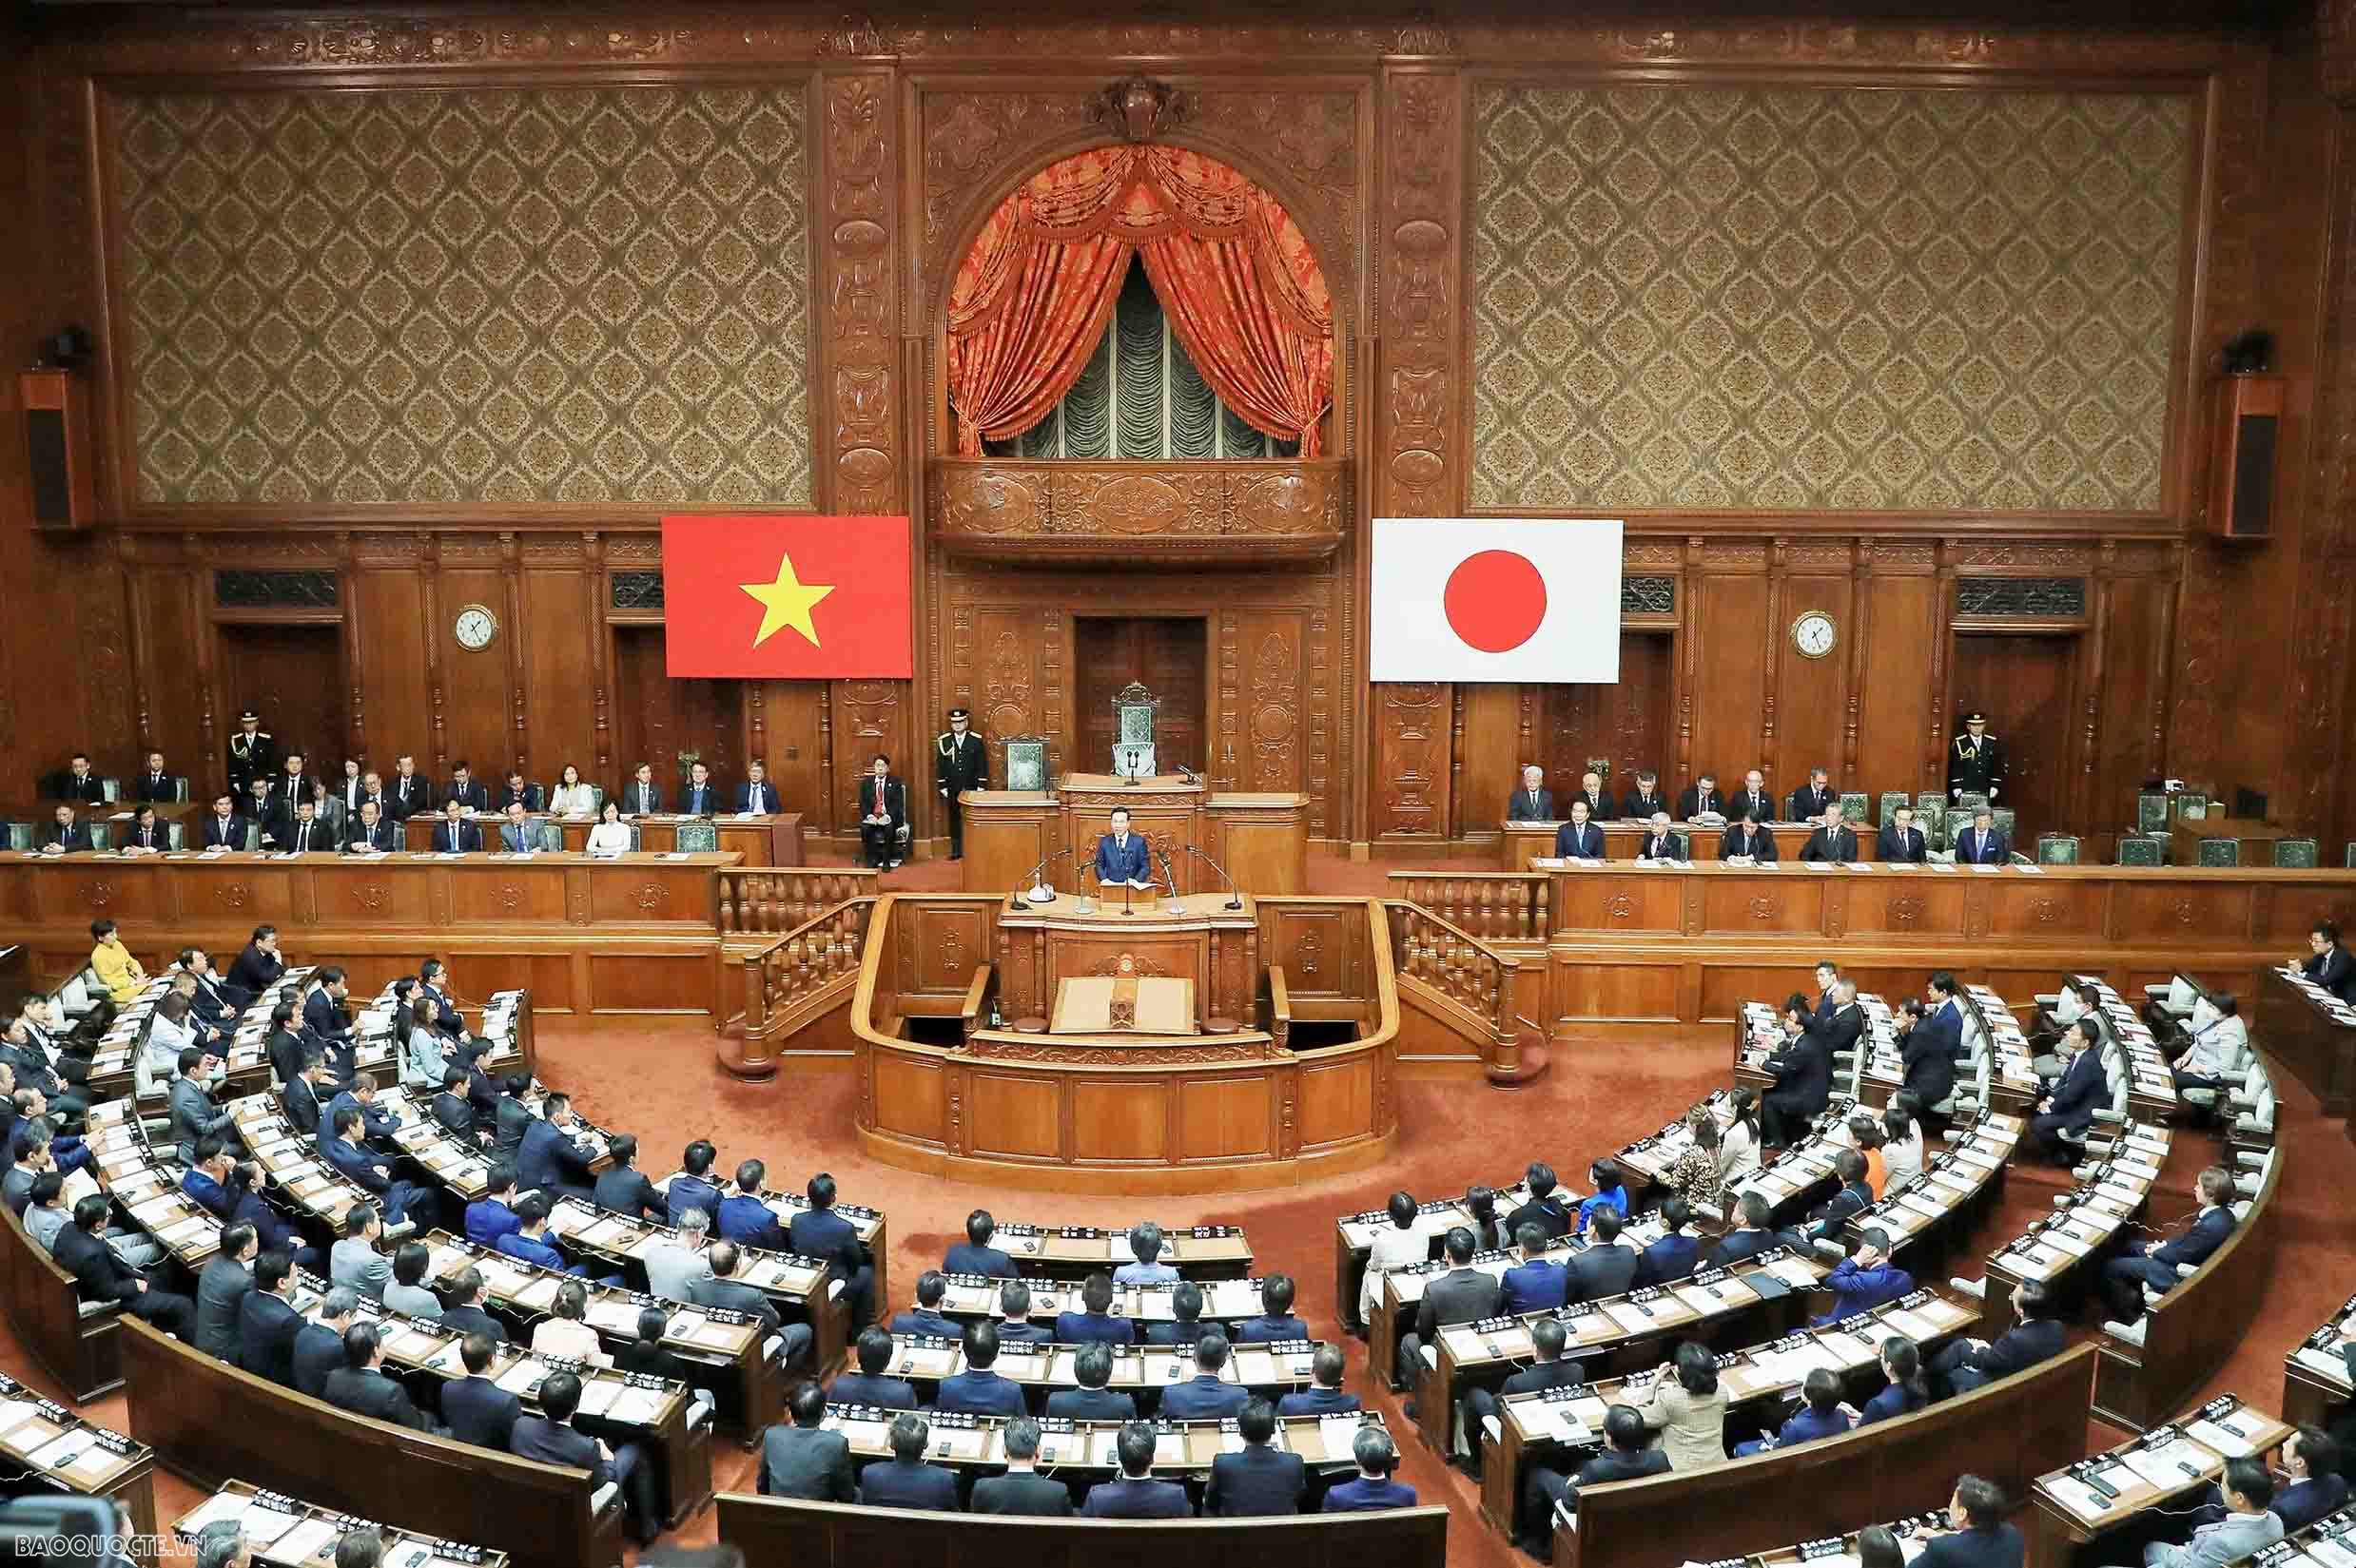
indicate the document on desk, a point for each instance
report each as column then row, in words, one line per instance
column 1632, row 1317
column 598, row 1396
column 2177, row 1466
column 2077, row 1496
column 2329, row 1362
column 2209, row 1434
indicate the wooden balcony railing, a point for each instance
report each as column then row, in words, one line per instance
column 775, row 901
column 794, row 980
column 1492, row 905
column 1464, row 971
column 1141, row 512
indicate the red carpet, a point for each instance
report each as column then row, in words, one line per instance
column 660, row 1083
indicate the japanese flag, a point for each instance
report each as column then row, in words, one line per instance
column 1522, row 599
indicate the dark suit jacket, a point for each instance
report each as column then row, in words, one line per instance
column 770, row 800
column 302, row 1108
column 1035, row 1496
column 536, row 1437
column 982, row 1393
column 369, row 1393
column 325, row 1017
column 640, row 800
column 1082, row 1328
column 882, row 1392
column 2080, row 1091
column 318, row 1352
column 1636, row 804
column 547, row 1158
column 408, row 796
column 76, row 836
column 2332, row 969
column 460, row 837
column 1546, row 1214
column 300, row 835
column 1546, row 1374
column 627, row 1192
column 888, row 1483
column 1670, row 1258
column 1693, row 803
column 1840, row 845
column 694, row 801
column 267, row 1325
column 1461, row 1295
column 2020, row 1346
column 1730, row 843
column 88, row 788
column 221, row 1285
column 2207, row 1233
column 1116, row 862
column 1997, row 1548
column 454, row 1113
column 510, row 1120
column 1804, row 1073
column 1203, row 1397
column 1091, row 1404
column 1930, row 1065
column 1665, row 847
column 99, row 1274
column 683, row 1192
column 736, row 1296
column 805, row 1461
column 1259, row 1480
column 966, row 1258
column 744, row 1219
column 895, row 800
column 1583, row 840
column 824, row 1233
column 480, row 1411
column 1613, row 1466
column 1914, row 847
column 1520, row 808
column 1121, row 1498
column 1809, row 800
column 1973, row 848
column 219, row 834
column 472, row 794
column 1760, row 805
column 1602, row 1270
column 474, row 1320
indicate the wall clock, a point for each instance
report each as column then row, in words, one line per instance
column 474, row 628
column 1814, row 634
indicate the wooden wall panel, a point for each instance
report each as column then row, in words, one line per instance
column 2121, row 714
column 1897, row 624
column 1726, row 674
column 167, row 627
column 397, row 705
column 786, row 724
column 2030, row 683
column 1410, row 790
column 475, row 690
column 1811, row 695
column 559, row 708
column 1259, row 709
column 1490, row 753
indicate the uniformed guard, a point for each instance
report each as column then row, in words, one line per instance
column 252, row 754
column 961, row 761
column 1976, row 761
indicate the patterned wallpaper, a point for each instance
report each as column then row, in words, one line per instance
column 1823, row 299
column 483, row 296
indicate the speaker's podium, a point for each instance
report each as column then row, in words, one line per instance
column 1261, row 838
column 1141, row 966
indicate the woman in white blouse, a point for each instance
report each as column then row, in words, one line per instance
column 1902, row 1151
column 1738, row 1146
column 572, row 798
column 567, row 1332
column 611, row 835
column 2219, row 1042
column 422, row 1064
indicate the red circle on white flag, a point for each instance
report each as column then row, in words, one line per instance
column 1495, row 600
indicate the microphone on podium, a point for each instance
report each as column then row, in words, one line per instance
column 1169, row 881
column 1034, row 886
column 1234, row 898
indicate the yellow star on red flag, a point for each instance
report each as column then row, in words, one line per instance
column 786, row 602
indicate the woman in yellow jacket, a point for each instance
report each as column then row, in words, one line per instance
column 117, row 970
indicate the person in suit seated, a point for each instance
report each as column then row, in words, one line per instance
column 1091, row 1399
column 1145, row 1265
column 979, row 1389
column 1593, row 791
column 477, row 1409
column 975, row 1255
column 1133, row 1494
column 1834, row 841
column 1866, row 1279
column 1276, row 1323
column 228, row 1190
column 624, row 1188
column 805, row 1460
column 2070, row 1107
column 1533, row 802
column 514, row 791
column 1644, row 797
column 63, row 835
column 1980, row 843
column 1120, row 855
column 146, row 836
column 465, row 1314
column 743, row 1218
column 1579, row 837
column 549, row 1160
column 1977, row 1536
column 2249, row 1523
column 1905, row 1390
column 1826, row 1221
column 1745, row 842
column 354, row 1260
column 2327, row 962
column 221, row 1285
column 641, row 797
column 1022, row 1490
column 2312, row 1486
column 492, row 1215
column 882, row 814
column 869, row 1385
column 1747, row 1238
column 1671, row 1258
column 259, row 806
column 1752, row 799
column 453, row 834
column 360, row 1385
column 818, row 1231
column 1660, row 842
column 318, row 1343
column 1545, row 1208
column 932, row 1288
column 1812, row 800
column 2152, row 1271
column 78, row 783
column 756, row 794
column 1535, row 1282
column 224, row 828
column 1372, row 1488
column 257, row 966
column 691, row 1188
column 1819, row 1416
column 1626, row 1454
column 1701, row 797
column 1014, row 1317
column 549, row 1438
column 1607, row 1265
column 454, row 1113
column 1548, row 1370
column 1803, row 1070
column 905, row 1480
column 372, row 1171
column 1094, row 1321
column 1324, row 1396
column 268, row 1322
column 301, row 831
column 1612, row 1191
column 464, row 789
column 530, row 1240
column 1463, row 1294
column 99, row 1275
column 1185, row 1324
column 518, row 835
column 1206, row 1396
column 1258, row 1479
column 1901, row 841
column 408, row 1292
column 722, row 1289
column 701, row 797
column 2037, row 1334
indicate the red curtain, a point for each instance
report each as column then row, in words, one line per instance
column 1235, row 274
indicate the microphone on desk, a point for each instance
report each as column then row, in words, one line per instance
column 1169, row 881
column 1081, row 903
column 1234, row 898
column 1037, row 890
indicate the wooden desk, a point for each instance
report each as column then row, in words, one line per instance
column 2054, row 1254
column 2306, row 1029
column 2012, row 1430
column 210, row 1421
column 2316, row 1384
column 44, row 1439
column 296, row 1537
column 1137, row 1369
column 975, row 1297
column 833, row 1535
column 1261, row 838
column 767, row 840
column 83, row 1352
column 1184, row 1448
column 1206, row 942
column 1199, row 1253
column 631, row 935
column 2255, row 836
column 1519, row 841
column 2165, row 1464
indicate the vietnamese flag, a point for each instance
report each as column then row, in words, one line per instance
column 786, row 597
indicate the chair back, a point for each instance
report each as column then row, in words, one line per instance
column 2152, row 811
column 1891, row 800
column 596, row 796
column 1972, row 800
column 2058, row 849
column 102, row 834
column 1954, row 823
column 2141, row 849
column 1853, row 805
column 111, row 788
column 2301, row 854
column 535, row 797
column 2192, row 807
column 253, row 835
column 2221, row 852
column 172, row 833
column 179, row 787
column 698, row 837
column 551, row 833
column 20, row 837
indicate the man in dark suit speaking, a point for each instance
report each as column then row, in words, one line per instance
column 1578, row 837
column 1122, row 856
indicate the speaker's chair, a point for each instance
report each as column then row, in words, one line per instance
column 2151, row 812
column 1891, row 800
column 2299, row 854
column 2058, row 849
column 698, row 837
column 2221, row 852
column 2142, row 849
